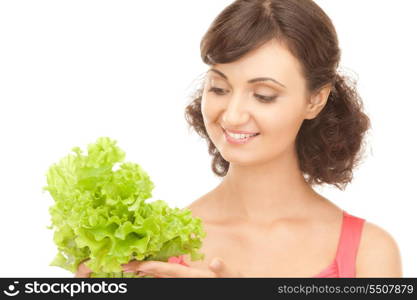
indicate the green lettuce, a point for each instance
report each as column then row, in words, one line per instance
column 100, row 214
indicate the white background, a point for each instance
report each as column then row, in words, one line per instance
column 71, row 71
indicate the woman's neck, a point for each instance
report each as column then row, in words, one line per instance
column 263, row 193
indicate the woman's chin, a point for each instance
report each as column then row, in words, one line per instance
column 239, row 159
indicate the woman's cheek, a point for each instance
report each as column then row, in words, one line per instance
column 208, row 106
column 205, row 110
column 211, row 115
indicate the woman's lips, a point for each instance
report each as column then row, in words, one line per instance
column 232, row 140
column 239, row 131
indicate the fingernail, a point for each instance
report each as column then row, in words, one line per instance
column 215, row 264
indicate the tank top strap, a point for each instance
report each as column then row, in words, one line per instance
column 348, row 244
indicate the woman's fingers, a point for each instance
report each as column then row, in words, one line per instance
column 158, row 269
column 220, row 269
column 165, row 269
column 140, row 273
column 83, row 271
column 131, row 266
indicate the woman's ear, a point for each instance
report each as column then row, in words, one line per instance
column 317, row 102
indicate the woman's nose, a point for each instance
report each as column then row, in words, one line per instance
column 236, row 112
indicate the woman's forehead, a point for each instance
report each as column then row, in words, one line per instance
column 272, row 60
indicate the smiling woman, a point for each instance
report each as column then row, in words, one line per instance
column 285, row 40
column 278, row 118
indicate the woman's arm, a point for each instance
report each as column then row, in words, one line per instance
column 378, row 254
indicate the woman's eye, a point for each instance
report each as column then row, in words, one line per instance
column 217, row 91
column 265, row 98
column 262, row 98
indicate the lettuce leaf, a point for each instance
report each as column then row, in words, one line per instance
column 100, row 213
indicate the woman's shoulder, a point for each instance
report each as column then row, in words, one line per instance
column 378, row 253
column 195, row 208
column 200, row 207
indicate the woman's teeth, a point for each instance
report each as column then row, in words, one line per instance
column 240, row 136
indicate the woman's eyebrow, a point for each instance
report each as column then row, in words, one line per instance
column 251, row 80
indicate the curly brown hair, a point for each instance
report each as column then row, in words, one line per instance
column 328, row 146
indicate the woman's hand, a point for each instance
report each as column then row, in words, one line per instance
column 217, row 268
column 83, row 271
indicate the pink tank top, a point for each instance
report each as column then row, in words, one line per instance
column 343, row 265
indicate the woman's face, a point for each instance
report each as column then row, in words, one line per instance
column 274, row 108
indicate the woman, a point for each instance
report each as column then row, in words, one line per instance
column 278, row 119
